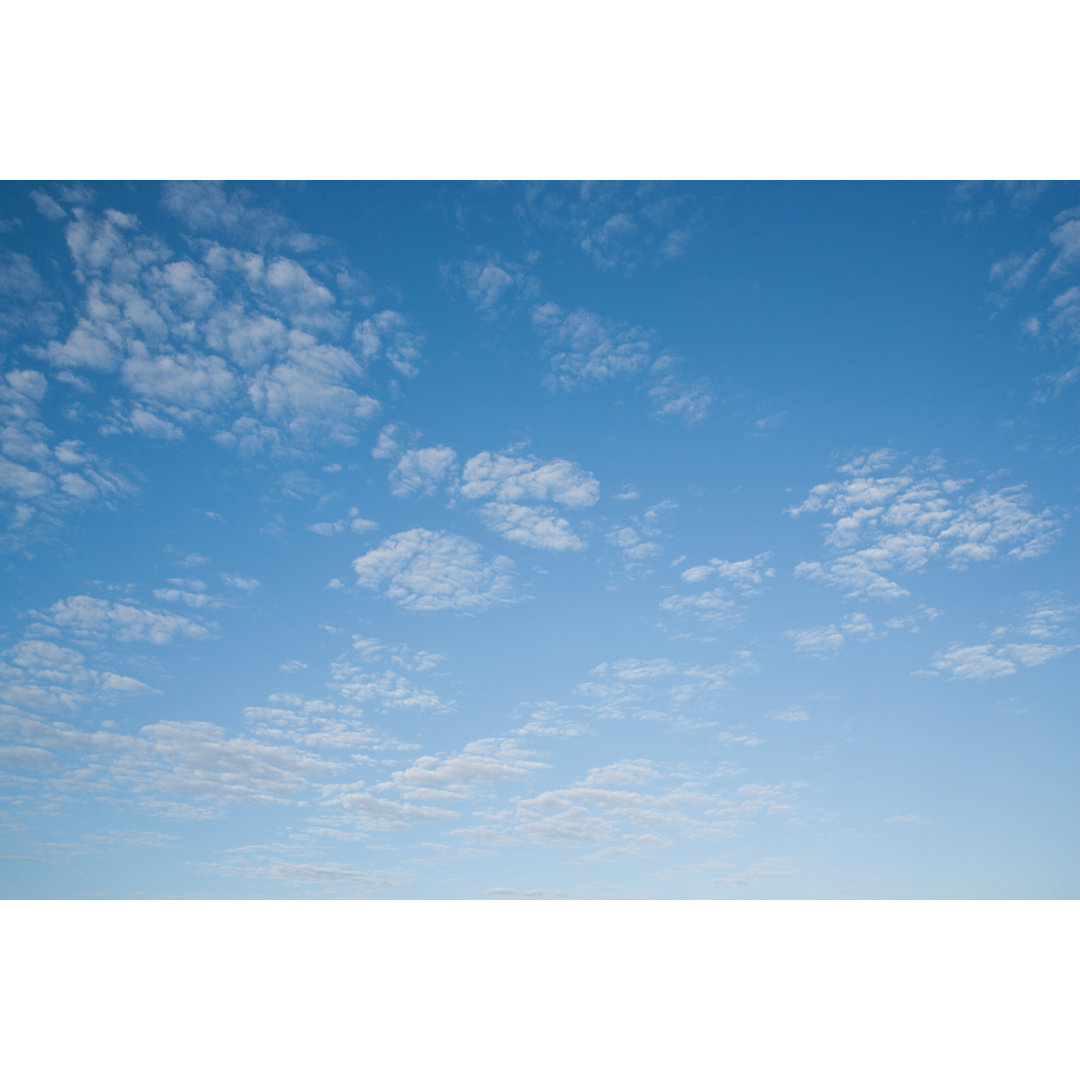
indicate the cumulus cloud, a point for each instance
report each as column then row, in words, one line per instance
column 425, row 571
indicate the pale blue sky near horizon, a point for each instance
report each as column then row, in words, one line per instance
column 496, row 540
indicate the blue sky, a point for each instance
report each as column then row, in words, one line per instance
column 446, row 540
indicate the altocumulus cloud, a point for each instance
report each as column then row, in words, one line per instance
column 423, row 571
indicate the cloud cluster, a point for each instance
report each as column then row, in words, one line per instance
column 425, row 571
column 260, row 349
column 615, row 225
column 724, row 604
column 515, row 484
column 888, row 521
column 43, row 478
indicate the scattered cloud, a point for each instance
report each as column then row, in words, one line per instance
column 425, row 571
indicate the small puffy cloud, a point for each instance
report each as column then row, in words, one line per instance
column 507, row 478
column 426, row 571
column 293, row 666
column 995, row 661
column 888, row 521
column 388, row 442
column 326, row 528
column 745, row 575
column 420, row 472
column 1051, row 386
column 535, row 527
column 388, row 335
column 124, row 684
column 687, row 401
column 47, row 206
column 632, row 548
column 820, row 641
column 87, row 616
column 238, row 581
column 583, row 347
column 480, row 763
column 713, row 605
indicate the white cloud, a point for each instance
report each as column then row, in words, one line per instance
column 425, row 571
column 506, row 478
column 420, row 472
column 583, row 347
column 616, row 224
column 387, row 335
column 907, row 518
column 713, row 606
column 1051, row 386
column 745, row 575
column 237, row 581
column 689, row 401
column 821, row 641
column 535, row 527
column 387, row 444
column 255, row 347
column 87, row 616
column 481, row 762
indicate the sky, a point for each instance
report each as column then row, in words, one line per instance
column 422, row 540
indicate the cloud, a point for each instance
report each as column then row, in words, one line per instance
column 1066, row 238
column 425, row 571
column 995, row 661
column 1051, row 386
column 387, row 336
column 480, row 763
column 713, row 606
column 255, row 346
column 42, row 479
column 237, row 581
column 716, row 605
column 820, row 641
column 490, row 281
column 420, row 472
column 508, row 478
column 582, row 347
column 534, row 527
column 689, row 401
column 745, row 575
column 86, row 616
column 908, row 518
column 616, row 225
column 210, row 207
